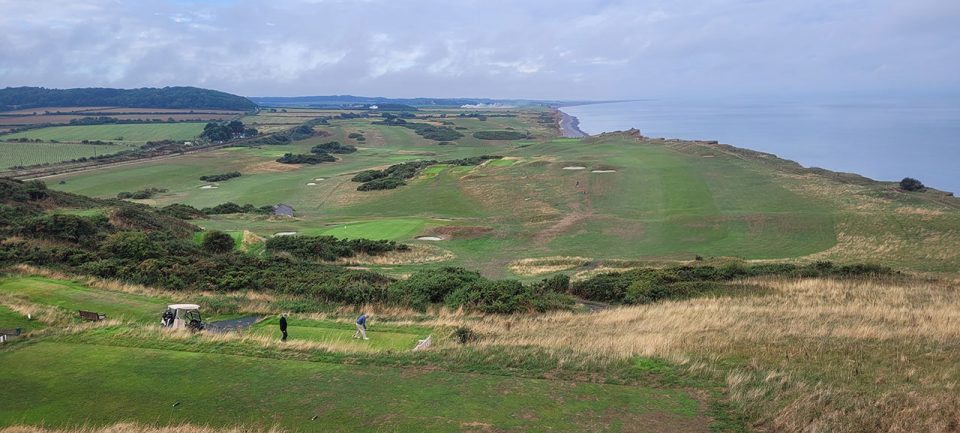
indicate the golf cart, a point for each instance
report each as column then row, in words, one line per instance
column 182, row 316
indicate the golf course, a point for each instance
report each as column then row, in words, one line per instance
column 610, row 283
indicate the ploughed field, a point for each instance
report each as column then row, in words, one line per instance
column 607, row 199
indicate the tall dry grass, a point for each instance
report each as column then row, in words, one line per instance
column 810, row 355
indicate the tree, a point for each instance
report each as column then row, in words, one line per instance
column 911, row 184
column 236, row 127
column 218, row 242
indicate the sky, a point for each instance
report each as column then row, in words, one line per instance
column 536, row 49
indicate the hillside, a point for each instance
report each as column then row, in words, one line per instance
column 15, row 98
column 566, row 284
column 553, row 204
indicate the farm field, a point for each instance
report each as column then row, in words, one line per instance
column 25, row 154
column 128, row 133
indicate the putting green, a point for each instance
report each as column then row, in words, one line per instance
column 386, row 229
column 381, row 337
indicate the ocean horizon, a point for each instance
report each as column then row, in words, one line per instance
column 884, row 139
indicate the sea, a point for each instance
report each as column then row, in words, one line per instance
column 883, row 139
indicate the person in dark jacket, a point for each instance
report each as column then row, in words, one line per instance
column 361, row 327
column 283, row 327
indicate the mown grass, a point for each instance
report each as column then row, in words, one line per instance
column 12, row 320
column 172, row 387
column 382, row 337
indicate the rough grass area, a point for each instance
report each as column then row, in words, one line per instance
column 173, row 387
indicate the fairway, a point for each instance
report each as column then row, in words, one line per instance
column 72, row 297
column 171, row 387
column 134, row 132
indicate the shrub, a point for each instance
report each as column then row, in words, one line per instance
column 368, row 175
column 70, row 228
column 329, row 248
column 464, row 335
column 317, row 158
column 385, row 183
column 218, row 242
column 427, row 287
column 333, row 147
column 491, row 296
column 911, row 184
column 220, row 177
column 142, row 194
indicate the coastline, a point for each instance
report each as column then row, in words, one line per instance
column 570, row 126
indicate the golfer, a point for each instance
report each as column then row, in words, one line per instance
column 283, row 327
column 361, row 327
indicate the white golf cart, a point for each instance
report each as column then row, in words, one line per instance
column 182, row 316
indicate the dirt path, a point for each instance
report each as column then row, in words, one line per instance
column 546, row 235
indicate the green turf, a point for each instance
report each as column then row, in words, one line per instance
column 98, row 385
column 10, row 319
column 72, row 297
column 386, row 229
column 136, row 132
column 381, row 337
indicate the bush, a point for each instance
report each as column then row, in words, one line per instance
column 142, row 194
column 385, row 183
column 911, row 184
column 232, row 208
column 70, row 228
column 499, row 296
column 368, row 175
column 220, row 177
column 464, row 335
column 317, row 158
column 500, row 135
column 218, row 242
column 427, row 287
column 329, row 248
column 333, row 147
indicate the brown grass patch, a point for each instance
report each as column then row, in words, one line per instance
column 546, row 265
column 417, row 254
column 269, row 167
column 460, row 232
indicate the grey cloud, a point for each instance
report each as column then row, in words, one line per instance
column 535, row 48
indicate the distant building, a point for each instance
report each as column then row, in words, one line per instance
column 374, row 107
column 281, row 209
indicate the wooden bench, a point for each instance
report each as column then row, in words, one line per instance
column 90, row 316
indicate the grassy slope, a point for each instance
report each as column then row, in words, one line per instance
column 665, row 201
column 72, row 297
column 11, row 320
column 216, row 389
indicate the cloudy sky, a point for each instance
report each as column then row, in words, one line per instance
column 555, row 49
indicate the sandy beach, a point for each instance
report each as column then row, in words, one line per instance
column 570, row 126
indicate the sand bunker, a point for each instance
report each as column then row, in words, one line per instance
column 429, row 238
column 575, row 167
column 320, row 178
column 311, row 184
column 603, row 171
column 284, row 233
column 209, row 187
